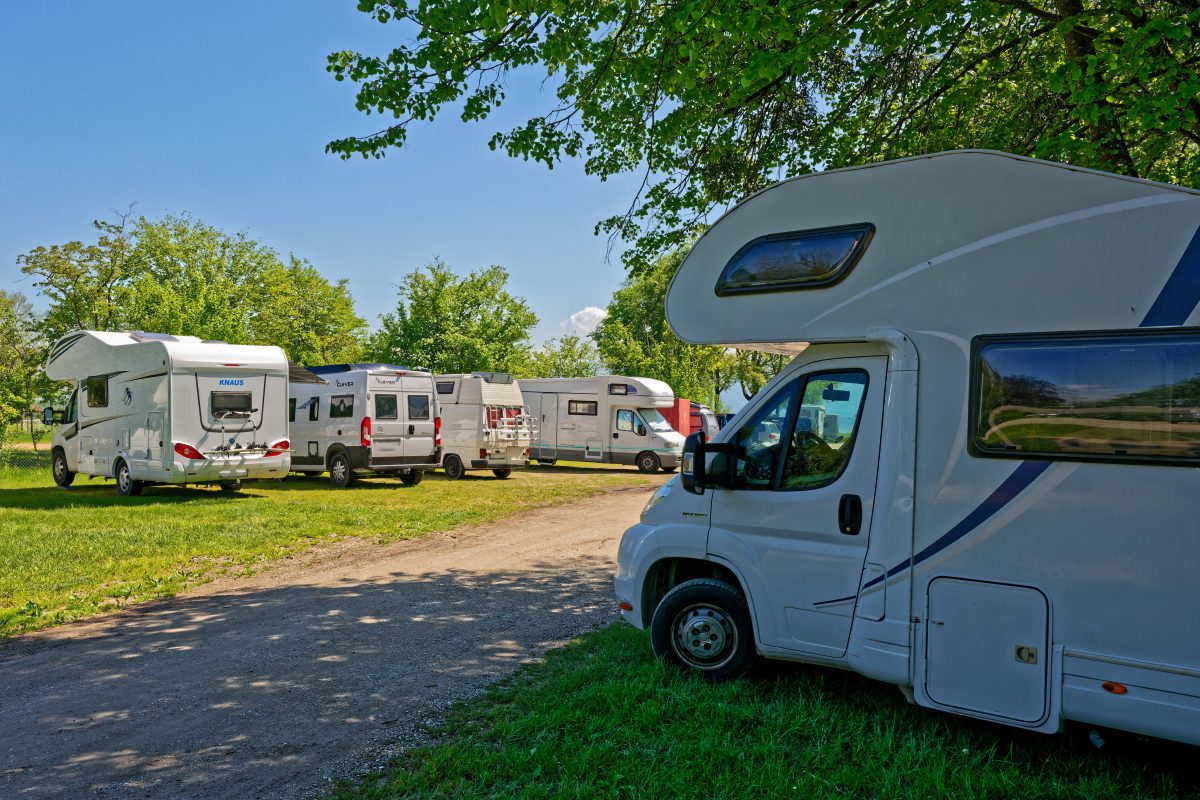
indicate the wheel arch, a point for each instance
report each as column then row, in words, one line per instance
column 669, row 571
column 333, row 450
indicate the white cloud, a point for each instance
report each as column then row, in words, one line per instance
column 584, row 321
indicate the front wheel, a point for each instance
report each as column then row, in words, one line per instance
column 340, row 474
column 648, row 462
column 126, row 485
column 412, row 477
column 704, row 625
column 453, row 466
column 62, row 473
column 502, row 474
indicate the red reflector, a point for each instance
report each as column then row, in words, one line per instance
column 482, row 453
column 279, row 448
column 626, row 605
column 187, row 451
column 231, row 365
column 1113, row 687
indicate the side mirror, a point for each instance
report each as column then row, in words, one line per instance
column 695, row 471
column 48, row 417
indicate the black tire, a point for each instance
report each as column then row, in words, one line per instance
column 648, row 462
column 230, row 486
column 502, row 474
column 669, row 469
column 62, row 473
column 340, row 474
column 412, row 477
column 126, row 485
column 453, row 466
column 704, row 625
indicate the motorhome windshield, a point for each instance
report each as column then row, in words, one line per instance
column 655, row 420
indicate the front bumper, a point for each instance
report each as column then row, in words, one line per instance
column 671, row 459
column 637, row 552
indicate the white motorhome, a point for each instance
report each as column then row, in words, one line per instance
column 150, row 408
column 485, row 424
column 352, row 418
column 977, row 480
column 609, row 419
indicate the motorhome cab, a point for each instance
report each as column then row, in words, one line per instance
column 149, row 408
column 485, row 424
column 352, row 418
column 609, row 419
column 978, row 478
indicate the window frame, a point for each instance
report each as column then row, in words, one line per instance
column 593, row 404
column 408, row 399
column 87, row 389
column 395, row 399
column 839, row 273
column 981, row 341
column 334, row 397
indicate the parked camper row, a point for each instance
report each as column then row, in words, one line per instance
column 150, row 408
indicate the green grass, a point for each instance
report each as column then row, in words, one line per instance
column 602, row 718
column 68, row 554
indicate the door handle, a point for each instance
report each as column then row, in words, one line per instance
column 850, row 514
column 412, row 429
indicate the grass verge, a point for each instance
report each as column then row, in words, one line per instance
column 68, row 554
column 602, row 718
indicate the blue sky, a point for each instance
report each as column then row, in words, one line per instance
column 222, row 110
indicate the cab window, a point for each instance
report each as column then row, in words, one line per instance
column 72, row 408
column 760, row 442
column 823, row 434
column 628, row 421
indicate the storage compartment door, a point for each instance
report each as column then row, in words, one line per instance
column 987, row 648
column 548, row 427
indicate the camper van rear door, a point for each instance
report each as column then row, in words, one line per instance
column 807, row 446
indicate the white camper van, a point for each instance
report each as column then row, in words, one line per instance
column 350, row 418
column 609, row 419
column 151, row 408
column 978, row 478
column 485, row 424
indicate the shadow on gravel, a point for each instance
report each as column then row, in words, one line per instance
column 265, row 693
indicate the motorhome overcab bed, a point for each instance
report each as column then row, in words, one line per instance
column 149, row 408
column 485, row 424
column 610, row 419
column 352, row 418
column 978, row 478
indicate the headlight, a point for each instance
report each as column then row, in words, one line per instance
column 657, row 497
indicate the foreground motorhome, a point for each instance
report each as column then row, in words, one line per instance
column 977, row 480
column 352, row 418
column 609, row 419
column 485, row 424
column 150, row 408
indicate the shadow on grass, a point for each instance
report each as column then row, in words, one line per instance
column 104, row 495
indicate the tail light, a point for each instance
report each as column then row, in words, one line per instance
column 365, row 432
column 187, row 451
column 437, row 431
column 482, row 453
column 279, row 448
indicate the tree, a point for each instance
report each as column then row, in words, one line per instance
column 634, row 339
column 22, row 353
column 180, row 275
column 712, row 101
column 569, row 357
column 755, row 369
column 447, row 323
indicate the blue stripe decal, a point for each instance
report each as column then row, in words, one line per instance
column 1174, row 304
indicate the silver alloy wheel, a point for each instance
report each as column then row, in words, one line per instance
column 704, row 636
column 648, row 463
column 60, row 467
column 338, row 470
column 124, row 481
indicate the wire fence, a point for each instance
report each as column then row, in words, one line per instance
column 24, row 458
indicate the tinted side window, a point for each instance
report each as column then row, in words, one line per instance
column 761, row 441
column 823, row 435
column 385, row 406
column 445, row 387
column 72, row 407
column 314, row 409
column 585, row 408
column 1117, row 396
column 291, row 409
column 418, row 406
column 97, row 392
column 797, row 260
column 341, row 406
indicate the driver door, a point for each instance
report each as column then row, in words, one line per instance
column 799, row 517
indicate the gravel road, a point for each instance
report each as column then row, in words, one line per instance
column 319, row 669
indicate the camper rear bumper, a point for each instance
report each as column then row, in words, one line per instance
column 230, row 469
